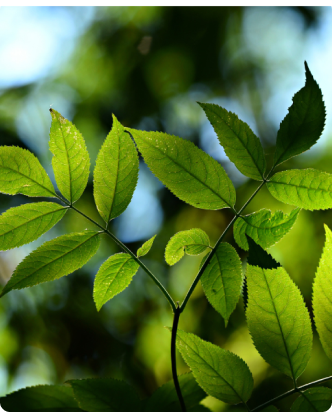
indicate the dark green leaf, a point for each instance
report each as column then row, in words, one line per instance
column 313, row 400
column 259, row 257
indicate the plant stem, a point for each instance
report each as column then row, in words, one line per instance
column 291, row 392
column 176, row 317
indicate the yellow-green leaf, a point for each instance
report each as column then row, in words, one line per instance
column 145, row 248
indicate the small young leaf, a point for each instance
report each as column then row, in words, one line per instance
column 278, row 320
column 116, row 173
column 54, row 259
column 264, row 227
column 220, row 373
column 71, row 162
column 165, row 399
column 241, row 144
column 113, row 277
column 21, row 172
column 191, row 174
column 192, row 242
column 42, row 398
column 322, row 296
column 309, row 189
column 145, row 248
column 23, row 224
column 105, row 395
column 304, row 123
column 222, row 280
column 313, row 400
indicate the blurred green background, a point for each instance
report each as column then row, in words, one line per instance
column 149, row 66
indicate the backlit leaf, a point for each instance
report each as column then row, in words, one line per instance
column 309, row 188
column 145, row 248
column 222, row 280
column 322, row 295
column 191, row 174
column 278, row 320
column 304, row 123
column 265, row 227
column 116, row 173
column 192, row 242
column 54, row 259
column 23, row 224
column 21, row 172
column 241, row 144
column 220, row 373
column 114, row 275
column 313, row 400
column 71, row 162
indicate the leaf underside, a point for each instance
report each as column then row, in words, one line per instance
column 313, row 400
column 145, row 248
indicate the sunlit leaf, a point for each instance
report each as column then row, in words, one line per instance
column 222, row 280
column 220, row 373
column 241, row 144
column 116, row 173
column 71, row 162
column 309, row 188
column 265, row 227
column 145, row 248
column 278, row 320
column 192, row 242
column 322, row 296
column 313, row 400
column 23, row 224
column 304, row 123
column 191, row 174
column 21, row 172
column 113, row 277
column 54, row 259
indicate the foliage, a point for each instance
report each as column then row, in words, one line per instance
column 277, row 317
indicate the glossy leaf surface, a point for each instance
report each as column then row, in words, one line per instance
column 313, row 400
column 145, row 248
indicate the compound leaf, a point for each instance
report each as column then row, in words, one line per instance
column 309, row 188
column 191, row 174
column 145, row 248
column 192, row 242
column 105, row 395
column 54, row 259
column 71, row 162
column 241, row 144
column 21, row 172
column 322, row 296
column 265, row 227
column 116, row 173
column 278, row 320
column 304, row 123
column 165, row 399
column 23, row 224
column 42, row 398
column 313, row 400
column 113, row 277
column 220, row 373
column 222, row 280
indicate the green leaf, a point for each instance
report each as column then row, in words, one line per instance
column 278, row 320
column 21, row 172
column 54, row 259
column 165, row 399
column 113, row 277
column 23, row 224
column 220, row 373
column 322, row 296
column 270, row 408
column 222, row 280
column 189, row 173
column 71, row 162
column 105, row 395
column 145, row 248
column 313, row 400
column 43, row 398
column 304, row 123
column 116, row 173
column 259, row 257
column 191, row 242
column 241, row 144
column 265, row 227
column 309, row 188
